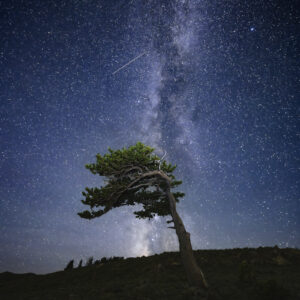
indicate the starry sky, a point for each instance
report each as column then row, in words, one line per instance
column 215, row 84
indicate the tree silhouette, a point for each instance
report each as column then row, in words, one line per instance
column 137, row 176
column 70, row 265
column 80, row 264
column 89, row 261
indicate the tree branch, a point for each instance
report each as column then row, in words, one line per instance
column 139, row 186
column 160, row 174
column 131, row 186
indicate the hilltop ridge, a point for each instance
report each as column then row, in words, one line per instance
column 262, row 273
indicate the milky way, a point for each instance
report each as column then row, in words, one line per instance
column 214, row 84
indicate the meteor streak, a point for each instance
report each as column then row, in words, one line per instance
column 128, row 63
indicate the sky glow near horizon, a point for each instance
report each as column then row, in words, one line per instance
column 216, row 89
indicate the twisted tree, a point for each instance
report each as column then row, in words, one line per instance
column 137, row 176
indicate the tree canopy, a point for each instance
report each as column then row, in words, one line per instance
column 133, row 175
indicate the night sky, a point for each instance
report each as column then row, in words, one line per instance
column 215, row 85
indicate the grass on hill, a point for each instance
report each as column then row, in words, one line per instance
column 267, row 273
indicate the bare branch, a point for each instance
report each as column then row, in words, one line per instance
column 140, row 185
column 132, row 168
column 161, row 160
column 160, row 174
column 124, row 171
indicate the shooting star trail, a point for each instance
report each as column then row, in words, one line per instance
column 130, row 62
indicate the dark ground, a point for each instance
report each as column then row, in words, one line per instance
column 260, row 274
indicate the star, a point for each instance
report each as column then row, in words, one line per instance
column 193, row 79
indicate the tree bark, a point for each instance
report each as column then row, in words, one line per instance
column 194, row 274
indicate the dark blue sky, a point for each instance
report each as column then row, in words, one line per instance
column 217, row 88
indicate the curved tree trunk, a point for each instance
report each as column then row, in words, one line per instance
column 193, row 272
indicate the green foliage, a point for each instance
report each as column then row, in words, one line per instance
column 133, row 175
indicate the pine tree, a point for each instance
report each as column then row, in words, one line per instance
column 80, row 264
column 137, row 176
column 70, row 265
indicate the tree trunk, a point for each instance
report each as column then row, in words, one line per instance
column 194, row 274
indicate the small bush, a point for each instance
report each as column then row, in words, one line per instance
column 103, row 260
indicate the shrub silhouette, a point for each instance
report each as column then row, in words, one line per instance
column 70, row 265
column 116, row 258
column 103, row 260
column 89, row 262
